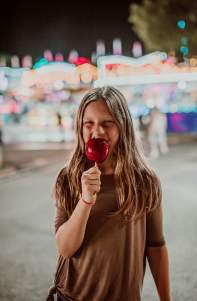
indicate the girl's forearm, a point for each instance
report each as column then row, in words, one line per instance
column 70, row 235
column 159, row 266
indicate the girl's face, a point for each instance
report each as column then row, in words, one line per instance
column 99, row 123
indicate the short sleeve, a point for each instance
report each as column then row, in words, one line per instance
column 154, row 228
column 60, row 217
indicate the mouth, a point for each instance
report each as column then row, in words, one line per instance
column 97, row 149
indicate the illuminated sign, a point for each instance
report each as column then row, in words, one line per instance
column 56, row 72
column 151, row 68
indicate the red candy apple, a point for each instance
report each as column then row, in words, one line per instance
column 96, row 150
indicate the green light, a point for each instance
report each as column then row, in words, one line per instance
column 184, row 41
column 40, row 63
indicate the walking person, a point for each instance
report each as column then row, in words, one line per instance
column 157, row 133
column 108, row 215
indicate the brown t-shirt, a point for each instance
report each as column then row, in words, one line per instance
column 110, row 264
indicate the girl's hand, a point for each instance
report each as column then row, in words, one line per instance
column 90, row 181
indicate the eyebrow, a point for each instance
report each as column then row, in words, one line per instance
column 104, row 120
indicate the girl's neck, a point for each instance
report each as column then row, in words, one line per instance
column 106, row 168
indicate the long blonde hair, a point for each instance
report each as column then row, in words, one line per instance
column 137, row 186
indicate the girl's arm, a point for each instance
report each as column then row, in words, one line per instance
column 70, row 235
column 159, row 266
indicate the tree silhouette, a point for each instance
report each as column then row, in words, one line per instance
column 160, row 25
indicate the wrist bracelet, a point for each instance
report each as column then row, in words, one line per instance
column 88, row 203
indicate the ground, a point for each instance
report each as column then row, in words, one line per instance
column 28, row 253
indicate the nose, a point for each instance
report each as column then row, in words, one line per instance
column 98, row 132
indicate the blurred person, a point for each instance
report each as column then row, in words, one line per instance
column 144, row 123
column 157, row 133
column 108, row 215
column 1, row 144
column 136, row 125
column 60, row 126
column 13, row 107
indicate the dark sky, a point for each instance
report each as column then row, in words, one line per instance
column 29, row 27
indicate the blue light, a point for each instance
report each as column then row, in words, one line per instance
column 181, row 24
column 184, row 50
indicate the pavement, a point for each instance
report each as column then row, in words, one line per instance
column 28, row 253
column 22, row 157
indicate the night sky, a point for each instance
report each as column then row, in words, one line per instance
column 31, row 27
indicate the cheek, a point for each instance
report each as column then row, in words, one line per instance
column 114, row 135
column 85, row 134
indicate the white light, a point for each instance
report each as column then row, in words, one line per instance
column 137, row 49
column 13, row 72
column 147, row 79
column 150, row 103
column 182, row 85
column 117, row 46
column 73, row 56
column 100, row 48
column 57, row 66
column 152, row 58
column 15, row 63
column 59, row 85
column 3, row 82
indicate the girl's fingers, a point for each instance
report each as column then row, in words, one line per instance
column 95, row 168
column 92, row 182
column 93, row 173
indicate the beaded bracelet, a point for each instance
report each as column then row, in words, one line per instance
column 88, row 203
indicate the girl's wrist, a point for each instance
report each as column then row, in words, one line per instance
column 89, row 203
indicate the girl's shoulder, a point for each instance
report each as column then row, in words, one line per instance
column 63, row 172
column 62, row 176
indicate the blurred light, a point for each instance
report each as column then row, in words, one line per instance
column 13, row 72
column 15, row 63
column 184, row 50
column 48, row 55
column 182, row 85
column 181, row 24
column 2, row 61
column 173, row 108
column 150, row 103
column 146, row 79
column 59, row 57
column 3, row 82
column 65, row 95
column 93, row 58
column 193, row 62
column 27, row 61
column 59, row 85
column 86, row 74
column 137, row 49
column 81, row 60
column 42, row 62
column 25, row 91
column 184, row 41
column 73, row 56
column 100, row 48
column 117, row 46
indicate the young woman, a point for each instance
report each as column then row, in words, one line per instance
column 109, row 215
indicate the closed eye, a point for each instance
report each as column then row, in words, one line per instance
column 104, row 123
column 88, row 122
